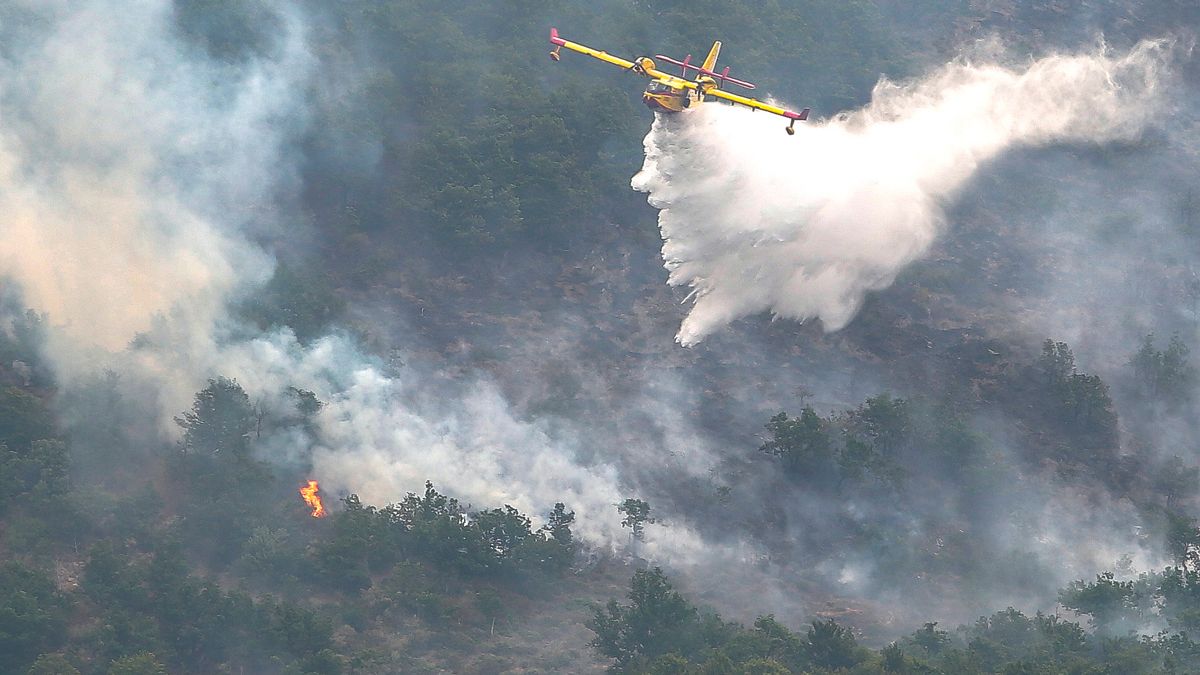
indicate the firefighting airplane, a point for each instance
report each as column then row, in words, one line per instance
column 668, row 93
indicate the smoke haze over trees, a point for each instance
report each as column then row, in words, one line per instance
column 938, row 415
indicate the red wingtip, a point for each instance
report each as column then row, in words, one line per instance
column 803, row 114
column 554, row 39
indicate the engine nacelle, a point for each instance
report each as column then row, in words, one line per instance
column 645, row 63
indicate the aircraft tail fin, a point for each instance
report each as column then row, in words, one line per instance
column 711, row 60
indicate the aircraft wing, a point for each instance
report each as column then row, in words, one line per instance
column 594, row 53
column 758, row 105
column 647, row 70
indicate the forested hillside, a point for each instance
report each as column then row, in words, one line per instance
column 392, row 248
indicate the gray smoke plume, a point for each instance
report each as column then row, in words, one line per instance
column 129, row 167
column 139, row 179
column 804, row 227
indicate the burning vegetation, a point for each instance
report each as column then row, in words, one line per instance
column 312, row 497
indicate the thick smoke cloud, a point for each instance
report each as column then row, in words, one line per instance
column 141, row 179
column 386, row 429
column 128, row 166
column 805, row 227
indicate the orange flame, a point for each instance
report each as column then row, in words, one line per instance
column 313, row 499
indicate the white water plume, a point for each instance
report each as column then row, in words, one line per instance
column 806, row 226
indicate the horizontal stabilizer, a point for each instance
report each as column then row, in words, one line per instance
column 720, row 77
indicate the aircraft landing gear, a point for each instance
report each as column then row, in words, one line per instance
column 555, row 55
column 789, row 129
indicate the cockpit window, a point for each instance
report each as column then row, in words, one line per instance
column 658, row 87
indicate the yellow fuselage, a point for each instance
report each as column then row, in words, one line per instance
column 662, row 97
column 669, row 101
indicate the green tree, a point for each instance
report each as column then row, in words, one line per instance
column 1112, row 604
column 505, row 530
column 1058, row 637
column 832, row 646
column 558, row 525
column 307, row 407
column 718, row 663
column 1003, row 637
column 1176, row 482
column 363, row 540
column 893, row 659
column 1080, row 402
column 636, row 515
column 491, row 606
column 555, row 546
column 930, row 639
column 267, row 554
column 440, row 529
column 1164, row 375
column 142, row 663
column 1086, row 401
column 858, row 458
column 52, row 664
column 53, row 480
column 802, row 443
column 762, row 666
column 656, row 621
column 885, row 421
column 23, row 419
column 38, row 475
column 21, row 346
column 32, row 616
column 775, row 642
column 323, row 662
column 222, row 489
column 1183, row 541
column 220, row 420
column 103, row 427
column 1056, row 364
column 295, row 629
column 300, row 297
column 1179, row 593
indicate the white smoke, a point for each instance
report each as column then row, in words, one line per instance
column 134, row 171
column 382, row 435
column 804, row 227
column 118, row 151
